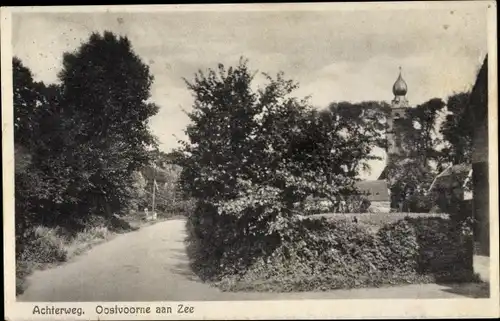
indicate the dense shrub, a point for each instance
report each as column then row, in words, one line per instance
column 45, row 246
column 353, row 204
column 446, row 247
column 328, row 254
column 216, row 252
column 419, row 203
column 317, row 206
column 357, row 204
column 79, row 141
column 253, row 155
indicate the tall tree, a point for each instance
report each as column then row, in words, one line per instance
column 362, row 127
column 254, row 155
column 27, row 98
column 105, row 92
column 457, row 130
column 419, row 131
column 410, row 173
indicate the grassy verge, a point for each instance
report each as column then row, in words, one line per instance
column 52, row 246
column 49, row 247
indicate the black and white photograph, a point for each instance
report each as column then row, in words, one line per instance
column 272, row 152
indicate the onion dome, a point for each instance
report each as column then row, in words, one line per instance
column 400, row 88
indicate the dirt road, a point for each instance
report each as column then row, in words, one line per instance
column 151, row 265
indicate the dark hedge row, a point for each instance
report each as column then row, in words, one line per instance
column 325, row 254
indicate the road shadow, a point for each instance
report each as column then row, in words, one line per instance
column 183, row 265
column 471, row 290
column 184, row 270
column 180, row 252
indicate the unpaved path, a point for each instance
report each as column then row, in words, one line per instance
column 151, row 265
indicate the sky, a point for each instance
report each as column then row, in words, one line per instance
column 335, row 55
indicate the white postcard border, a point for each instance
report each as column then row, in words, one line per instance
column 304, row 309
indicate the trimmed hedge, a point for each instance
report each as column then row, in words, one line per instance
column 217, row 250
column 327, row 254
column 376, row 220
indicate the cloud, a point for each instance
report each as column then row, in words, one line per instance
column 334, row 55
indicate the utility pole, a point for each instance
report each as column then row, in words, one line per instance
column 154, row 186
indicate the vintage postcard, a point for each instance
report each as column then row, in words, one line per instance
column 260, row 161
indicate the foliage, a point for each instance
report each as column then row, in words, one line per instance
column 419, row 137
column 85, row 137
column 362, row 127
column 357, row 204
column 169, row 198
column 32, row 188
column 410, row 173
column 457, row 130
column 28, row 97
column 312, row 206
column 420, row 203
column 326, row 255
column 465, row 110
column 77, row 145
column 168, row 194
column 137, row 191
column 44, row 247
column 408, row 177
column 105, row 91
column 252, row 156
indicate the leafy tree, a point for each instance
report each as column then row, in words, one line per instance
column 85, row 138
column 419, row 131
column 362, row 126
column 410, row 173
column 30, row 184
column 238, row 135
column 138, row 191
column 252, row 158
column 105, row 92
column 457, row 130
column 408, row 178
column 26, row 98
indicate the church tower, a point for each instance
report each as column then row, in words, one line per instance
column 398, row 111
column 399, row 106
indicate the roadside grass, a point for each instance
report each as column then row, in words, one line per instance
column 50, row 247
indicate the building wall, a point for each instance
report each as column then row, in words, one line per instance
column 480, row 179
column 481, row 205
column 380, row 207
column 480, row 142
column 394, row 132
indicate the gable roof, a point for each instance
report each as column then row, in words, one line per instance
column 375, row 190
column 453, row 174
column 383, row 175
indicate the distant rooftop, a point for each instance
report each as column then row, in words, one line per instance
column 456, row 174
column 375, row 190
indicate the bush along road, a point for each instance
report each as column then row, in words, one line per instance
column 152, row 264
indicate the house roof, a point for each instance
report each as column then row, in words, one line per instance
column 375, row 190
column 454, row 174
column 383, row 175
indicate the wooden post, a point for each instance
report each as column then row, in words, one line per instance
column 154, row 187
